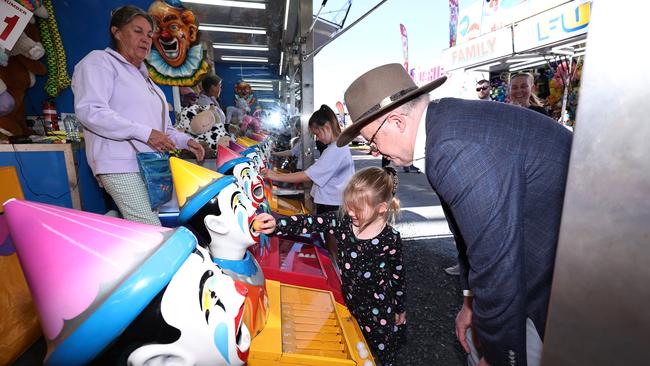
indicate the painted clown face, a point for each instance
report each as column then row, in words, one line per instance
column 174, row 33
column 256, row 156
column 232, row 229
column 207, row 307
column 250, row 182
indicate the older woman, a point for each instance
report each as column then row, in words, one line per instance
column 521, row 93
column 123, row 112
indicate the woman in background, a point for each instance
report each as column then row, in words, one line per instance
column 211, row 90
column 521, row 93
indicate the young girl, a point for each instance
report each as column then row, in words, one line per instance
column 369, row 256
column 331, row 171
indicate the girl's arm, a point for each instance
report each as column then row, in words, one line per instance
column 396, row 268
column 298, row 177
column 285, row 153
column 303, row 224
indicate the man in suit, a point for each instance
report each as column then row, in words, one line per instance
column 500, row 173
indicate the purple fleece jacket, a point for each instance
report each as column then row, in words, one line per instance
column 116, row 104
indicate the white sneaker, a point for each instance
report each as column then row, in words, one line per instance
column 453, row 271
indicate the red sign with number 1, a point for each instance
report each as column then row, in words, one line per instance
column 13, row 20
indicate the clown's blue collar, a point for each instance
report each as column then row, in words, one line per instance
column 187, row 69
column 244, row 267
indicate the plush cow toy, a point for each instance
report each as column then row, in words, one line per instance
column 200, row 122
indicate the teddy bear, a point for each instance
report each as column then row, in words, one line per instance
column 7, row 102
column 199, row 121
column 18, row 76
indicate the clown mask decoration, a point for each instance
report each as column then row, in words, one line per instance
column 176, row 58
column 175, row 32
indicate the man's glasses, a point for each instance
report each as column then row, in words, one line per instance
column 371, row 143
column 482, row 88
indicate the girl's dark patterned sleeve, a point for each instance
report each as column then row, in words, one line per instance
column 303, row 224
column 396, row 267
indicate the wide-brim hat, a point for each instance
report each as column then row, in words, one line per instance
column 377, row 91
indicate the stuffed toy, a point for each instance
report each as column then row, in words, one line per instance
column 251, row 124
column 199, row 122
column 7, row 102
column 244, row 98
column 18, row 76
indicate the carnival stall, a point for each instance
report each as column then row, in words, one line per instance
column 545, row 38
column 207, row 287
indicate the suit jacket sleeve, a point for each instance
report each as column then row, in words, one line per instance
column 484, row 187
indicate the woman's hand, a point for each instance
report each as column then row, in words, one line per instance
column 196, row 149
column 400, row 319
column 264, row 223
column 160, row 142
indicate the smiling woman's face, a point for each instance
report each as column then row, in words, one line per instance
column 520, row 89
column 134, row 40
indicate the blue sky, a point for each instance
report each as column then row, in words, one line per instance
column 376, row 40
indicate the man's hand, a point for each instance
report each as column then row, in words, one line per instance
column 463, row 322
column 196, row 149
column 264, row 223
column 160, row 142
column 400, row 319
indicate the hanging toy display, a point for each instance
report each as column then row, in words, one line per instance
column 58, row 78
column 177, row 57
column 558, row 75
column 499, row 89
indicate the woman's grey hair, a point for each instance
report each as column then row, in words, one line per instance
column 123, row 16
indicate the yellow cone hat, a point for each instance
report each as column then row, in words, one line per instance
column 245, row 141
column 195, row 185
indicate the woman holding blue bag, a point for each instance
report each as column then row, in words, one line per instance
column 124, row 113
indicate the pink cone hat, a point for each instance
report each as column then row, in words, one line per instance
column 73, row 259
column 235, row 147
column 225, row 155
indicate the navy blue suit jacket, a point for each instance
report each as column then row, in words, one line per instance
column 500, row 172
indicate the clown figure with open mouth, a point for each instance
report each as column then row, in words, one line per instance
column 224, row 220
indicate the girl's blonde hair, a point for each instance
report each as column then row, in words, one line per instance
column 367, row 189
column 534, row 100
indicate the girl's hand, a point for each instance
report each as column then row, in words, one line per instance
column 264, row 223
column 400, row 319
column 267, row 173
column 196, row 149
